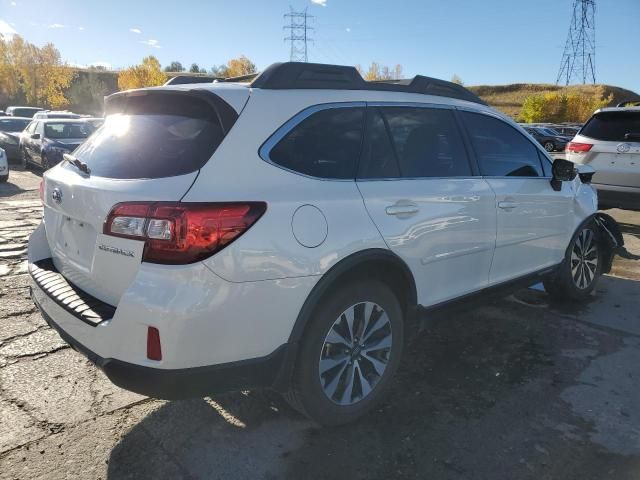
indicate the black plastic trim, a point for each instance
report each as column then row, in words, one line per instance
column 72, row 299
column 308, row 76
column 183, row 383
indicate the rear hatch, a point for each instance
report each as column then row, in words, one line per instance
column 150, row 149
column 615, row 154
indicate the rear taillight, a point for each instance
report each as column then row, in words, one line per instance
column 578, row 147
column 179, row 233
column 41, row 191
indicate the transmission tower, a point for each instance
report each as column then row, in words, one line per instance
column 298, row 27
column 579, row 57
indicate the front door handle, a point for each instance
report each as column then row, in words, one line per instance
column 507, row 205
column 403, row 209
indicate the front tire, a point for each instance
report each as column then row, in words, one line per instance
column 549, row 146
column 349, row 353
column 581, row 269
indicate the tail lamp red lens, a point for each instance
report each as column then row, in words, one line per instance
column 154, row 350
column 180, row 233
column 578, row 147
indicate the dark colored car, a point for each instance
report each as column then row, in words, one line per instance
column 10, row 128
column 551, row 140
column 566, row 130
column 44, row 142
column 22, row 111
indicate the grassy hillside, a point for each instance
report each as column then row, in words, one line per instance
column 509, row 98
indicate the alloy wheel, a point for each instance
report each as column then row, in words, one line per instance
column 549, row 146
column 355, row 353
column 584, row 259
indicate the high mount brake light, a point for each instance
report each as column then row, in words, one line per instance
column 578, row 147
column 180, row 233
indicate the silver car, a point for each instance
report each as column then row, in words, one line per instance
column 610, row 143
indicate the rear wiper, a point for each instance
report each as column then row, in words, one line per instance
column 79, row 164
column 632, row 136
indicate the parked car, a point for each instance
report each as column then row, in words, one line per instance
column 4, row 166
column 55, row 114
column 44, row 142
column 22, row 111
column 10, row 128
column 551, row 141
column 566, row 130
column 610, row 143
column 227, row 236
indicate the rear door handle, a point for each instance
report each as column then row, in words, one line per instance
column 402, row 209
column 507, row 205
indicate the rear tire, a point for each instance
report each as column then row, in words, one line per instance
column 582, row 266
column 549, row 146
column 4, row 178
column 349, row 353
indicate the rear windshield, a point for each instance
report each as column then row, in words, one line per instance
column 67, row 130
column 613, row 126
column 24, row 111
column 153, row 136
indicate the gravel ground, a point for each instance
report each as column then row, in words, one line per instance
column 508, row 388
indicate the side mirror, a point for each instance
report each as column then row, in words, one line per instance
column 35, row 136
column 562, row 171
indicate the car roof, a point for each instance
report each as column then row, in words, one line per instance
column 14, row 118
column 617, row 109
column 59, row 120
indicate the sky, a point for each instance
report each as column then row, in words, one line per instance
column 481, row 41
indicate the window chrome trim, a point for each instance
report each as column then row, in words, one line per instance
column 265, row 149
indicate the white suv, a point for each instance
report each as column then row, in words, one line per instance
column 610, row 143
column 283, row 233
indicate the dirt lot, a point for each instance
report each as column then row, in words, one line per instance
column 514, row 388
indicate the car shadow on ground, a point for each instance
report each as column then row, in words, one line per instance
column 477, row 396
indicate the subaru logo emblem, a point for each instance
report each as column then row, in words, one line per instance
column 57, row 195
column 623, row 147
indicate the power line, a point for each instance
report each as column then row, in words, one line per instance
column 579, row 57
column 298, row 27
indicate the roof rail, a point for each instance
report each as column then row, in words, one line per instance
column 185, row 79
column 629, row 103
column 297, row 75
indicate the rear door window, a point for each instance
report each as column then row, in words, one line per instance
column 325, row 145
column 613, row 127
column 413, row 142
column 153, row 136
column 501, row 150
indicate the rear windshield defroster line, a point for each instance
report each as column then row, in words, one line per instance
column 157, row 134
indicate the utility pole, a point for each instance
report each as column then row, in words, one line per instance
column 579, row 57
column 298, row 27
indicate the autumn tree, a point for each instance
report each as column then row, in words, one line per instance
column 237, row 67
column 37, row 73
column 174, row 66
column 457, row 79
column 147, row 74
column 87, row 93
column 563, row 106
column 377, row 71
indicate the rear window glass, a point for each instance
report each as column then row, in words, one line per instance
column 324, row 145
column 153, row 136
column 67, row 130
column 613, row 126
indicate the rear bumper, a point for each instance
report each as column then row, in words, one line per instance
column 186, row 382
column 619, row 197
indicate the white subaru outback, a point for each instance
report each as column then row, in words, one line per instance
column 284, row 233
